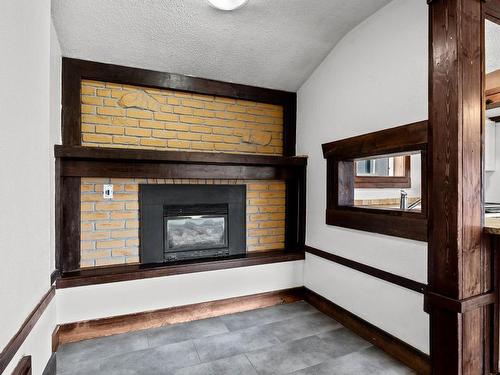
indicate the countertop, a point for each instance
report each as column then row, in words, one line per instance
column 492, row 225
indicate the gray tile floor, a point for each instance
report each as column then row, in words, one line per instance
column 285, row 339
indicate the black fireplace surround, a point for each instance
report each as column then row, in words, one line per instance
column 179, row 222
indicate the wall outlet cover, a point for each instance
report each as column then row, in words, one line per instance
column 107, row 191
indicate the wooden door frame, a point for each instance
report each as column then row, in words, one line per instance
column 459, row 262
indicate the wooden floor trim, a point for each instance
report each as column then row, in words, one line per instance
column 23, row 367
column 15, row 343
column 73, row 332
column 393, row 346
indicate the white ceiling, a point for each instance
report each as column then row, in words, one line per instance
column 268, row 43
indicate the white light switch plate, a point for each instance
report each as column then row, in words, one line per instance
column 107, row 191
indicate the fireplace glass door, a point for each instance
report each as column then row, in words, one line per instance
column 196, row 232
column 201, row 229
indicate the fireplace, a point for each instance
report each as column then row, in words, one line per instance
column 181, row 222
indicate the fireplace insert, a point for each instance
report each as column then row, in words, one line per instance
column 191, row 221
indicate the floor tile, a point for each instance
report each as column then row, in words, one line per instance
column 342, row 341
column 267, row 315
column 294, row 338
column 369, row 361
column 237, row 365
column 155, row 361
column 233, row 343
column 69, row 355
column 302, row 326
column 185, row 331
column 291, row 356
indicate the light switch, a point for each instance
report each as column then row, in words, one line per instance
column 107, row 192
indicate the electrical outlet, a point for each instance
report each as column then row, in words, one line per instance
column 107, row 192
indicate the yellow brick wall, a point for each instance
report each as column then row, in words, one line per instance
column 136, row 117
column 110, row 228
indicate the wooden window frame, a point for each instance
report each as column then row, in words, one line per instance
column 371, row 182
column 341, row 181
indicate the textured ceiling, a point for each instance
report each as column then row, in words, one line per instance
column 268, row 43
column 492, row 47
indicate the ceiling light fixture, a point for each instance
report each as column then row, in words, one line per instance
column 227, row 4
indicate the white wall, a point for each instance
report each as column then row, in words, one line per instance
column 375, row 78
column 54, row 135
column 25, row 192
column 492, row 179
column 98, row 301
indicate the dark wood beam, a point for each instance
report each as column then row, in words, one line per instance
column 456, row 258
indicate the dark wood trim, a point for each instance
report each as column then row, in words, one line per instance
column 491, row 9
column 493, row 243
column 54, row 276
column 15, row 343
column 23, row 367
column 458, row 306
column 75, row 70
column 400, row 139
column 372, row 271
column 290, row 125
column 71, row 126
column 393, row 346
column 55, row 339
column 151, row 319
column 69, row 231
column 174, row 157
column 389, row 222
column 103, row 275
column 341, row 182
column 371, row 182
column 117, row 169
column 456, row 259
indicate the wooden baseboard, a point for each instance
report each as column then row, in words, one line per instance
column 73, row 332
column 393, row 346
column 23, row 367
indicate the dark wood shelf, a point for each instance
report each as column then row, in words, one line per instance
column 110, row 274
column 80, row 161
column 176, row 157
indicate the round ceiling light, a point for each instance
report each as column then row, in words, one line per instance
column 227, row 4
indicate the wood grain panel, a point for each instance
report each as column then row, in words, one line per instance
column 456, row 259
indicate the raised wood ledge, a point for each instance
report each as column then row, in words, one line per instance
column 104, row 275
column 177, row 157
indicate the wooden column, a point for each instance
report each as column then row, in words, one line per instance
column 456, row 259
